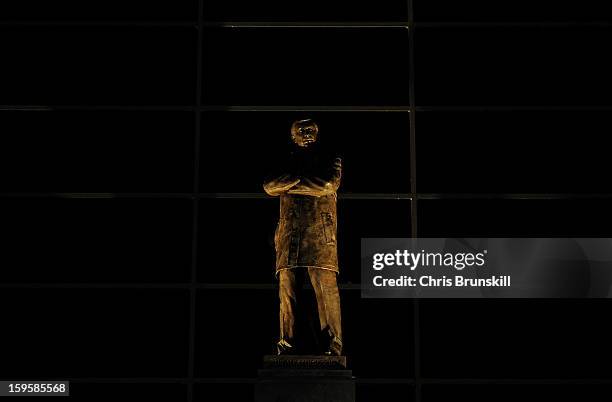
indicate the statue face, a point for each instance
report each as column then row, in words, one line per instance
column 304, row 132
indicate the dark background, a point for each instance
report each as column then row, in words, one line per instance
column 136, row 255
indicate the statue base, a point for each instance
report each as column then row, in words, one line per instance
column 305, row 378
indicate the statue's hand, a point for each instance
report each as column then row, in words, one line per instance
column 281, row 184
column 312, row 186
column 286, row 181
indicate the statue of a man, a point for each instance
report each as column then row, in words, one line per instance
column 305, row 237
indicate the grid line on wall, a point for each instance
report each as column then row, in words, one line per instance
column 344, row 196
column 360, row 380
column 196, row 204
column 306, row 108
column 416, row 341
column 306, row 24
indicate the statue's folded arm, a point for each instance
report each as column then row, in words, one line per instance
column 319, row 186
column 281, row 184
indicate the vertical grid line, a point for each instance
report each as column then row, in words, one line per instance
column 195, row 207
column 413, row 191
column 412, row 118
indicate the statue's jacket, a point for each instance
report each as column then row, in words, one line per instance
column 306, row 232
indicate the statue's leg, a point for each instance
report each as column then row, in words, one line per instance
column 287, row 292
column 328, row 303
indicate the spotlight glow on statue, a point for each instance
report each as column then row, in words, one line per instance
column 305, row 237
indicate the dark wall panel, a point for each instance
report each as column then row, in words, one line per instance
column 515, row 218
column 100, row 152
column 513, row 152
column 101, row 392
column 302, row 10
column 325, row 66
column 515, row 339
column 508, row 393
column 371, row 327
column 510, row 11
column 97, row 65
column 98, row 10
column 94, row 333
column 95, row 240
column 516, row 66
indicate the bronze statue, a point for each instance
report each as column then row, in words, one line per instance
column 305, row 237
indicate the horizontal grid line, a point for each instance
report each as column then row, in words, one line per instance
column 267, row 286
column 178, row 285
column 513, row 196
column 118, row 380
column 365, row 380
column 95, row 285
column 406, row 24
column 101, row 23
column 306, row 108
column 249, row 380
column 181, row 285
column 516, row 381
column 103, row 108
column 307, row 24
column 514, row 108
column 429, row 196
column 206, row 108
column 344, row 196
column 96, row 195
column 444, row 381
column 512, row 24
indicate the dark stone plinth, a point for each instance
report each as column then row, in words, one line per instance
column 305, row 379
column 304, row 362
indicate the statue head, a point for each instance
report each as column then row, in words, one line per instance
column 304, row 132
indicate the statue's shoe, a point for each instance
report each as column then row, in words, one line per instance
column 284, row 348
column 335, row 348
